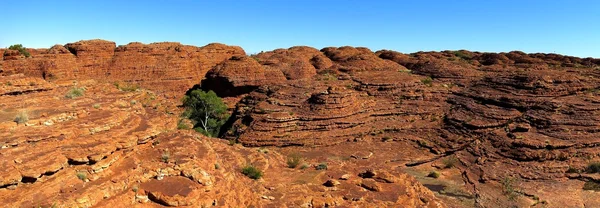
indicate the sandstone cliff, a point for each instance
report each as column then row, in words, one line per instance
column 169, row 68
column 495, row 129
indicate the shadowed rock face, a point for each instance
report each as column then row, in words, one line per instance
column 485, row 123
column 239, row 75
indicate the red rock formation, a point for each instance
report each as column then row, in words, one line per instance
column 298, row 62
column 497, row 114
column 349, row 59
column 471, row 127
column 240, row 75
column 169, row 68
column 110, row 148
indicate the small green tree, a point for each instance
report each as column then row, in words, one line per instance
column 252, row 172
column 20, row 48
column 206, row 110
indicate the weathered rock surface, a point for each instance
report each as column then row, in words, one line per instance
column 240, row 75
column 114, row 148
column 298, row 62
column 476, row 129
column 168, row 68
column 499, row 116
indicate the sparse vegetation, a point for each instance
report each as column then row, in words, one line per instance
column 8, row 83
column 328, row 77
column 450, row 162
column 127, row 87
column 321, row 166
column 572, row 170
column 593, row 167
column 206, row 110
column 427, row 81
column 461, row 54
column 165, row 156
column 182, row 125
column 591, row 185
column 22, row 50
column 252, row 172
column 263, row 150
column 96, row 106
column 74, row 93
column 21, row 117
column 433, row 174
column 294, row 160
column 217, row 166
column 82, row 175
column 508, row 188
column 304, row 166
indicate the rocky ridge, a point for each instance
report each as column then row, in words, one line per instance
column 168, row 68
column 499, row 129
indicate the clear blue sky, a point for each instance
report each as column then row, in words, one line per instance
column 559, row 26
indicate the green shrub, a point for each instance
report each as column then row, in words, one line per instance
column 206, row 110
column 252, row 172
column 572, row 170
column 294, row 160
column 593, row 167
column 74, row 92
column 96, row 106
column 321, row 166
column 508, row 188
column 181, row 125
column 165, row 157
column 427, row 81
column 434, row 174
column 217, row 166
column 127, row 87
column 263, row 150
column 21, row 117
column 304, row 166
column 22, row 50
column 81, row 175
column 462, row 55
column 450, row 162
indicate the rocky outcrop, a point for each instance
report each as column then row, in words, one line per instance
column 113, row 148
column 168, row 68
column 240, row 75
column 476, row 129
column 298, row 62
column 486, row 110
column 350, row 59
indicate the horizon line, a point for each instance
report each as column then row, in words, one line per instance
column 248, row 53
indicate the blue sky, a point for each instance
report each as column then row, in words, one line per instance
column 551, row 26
